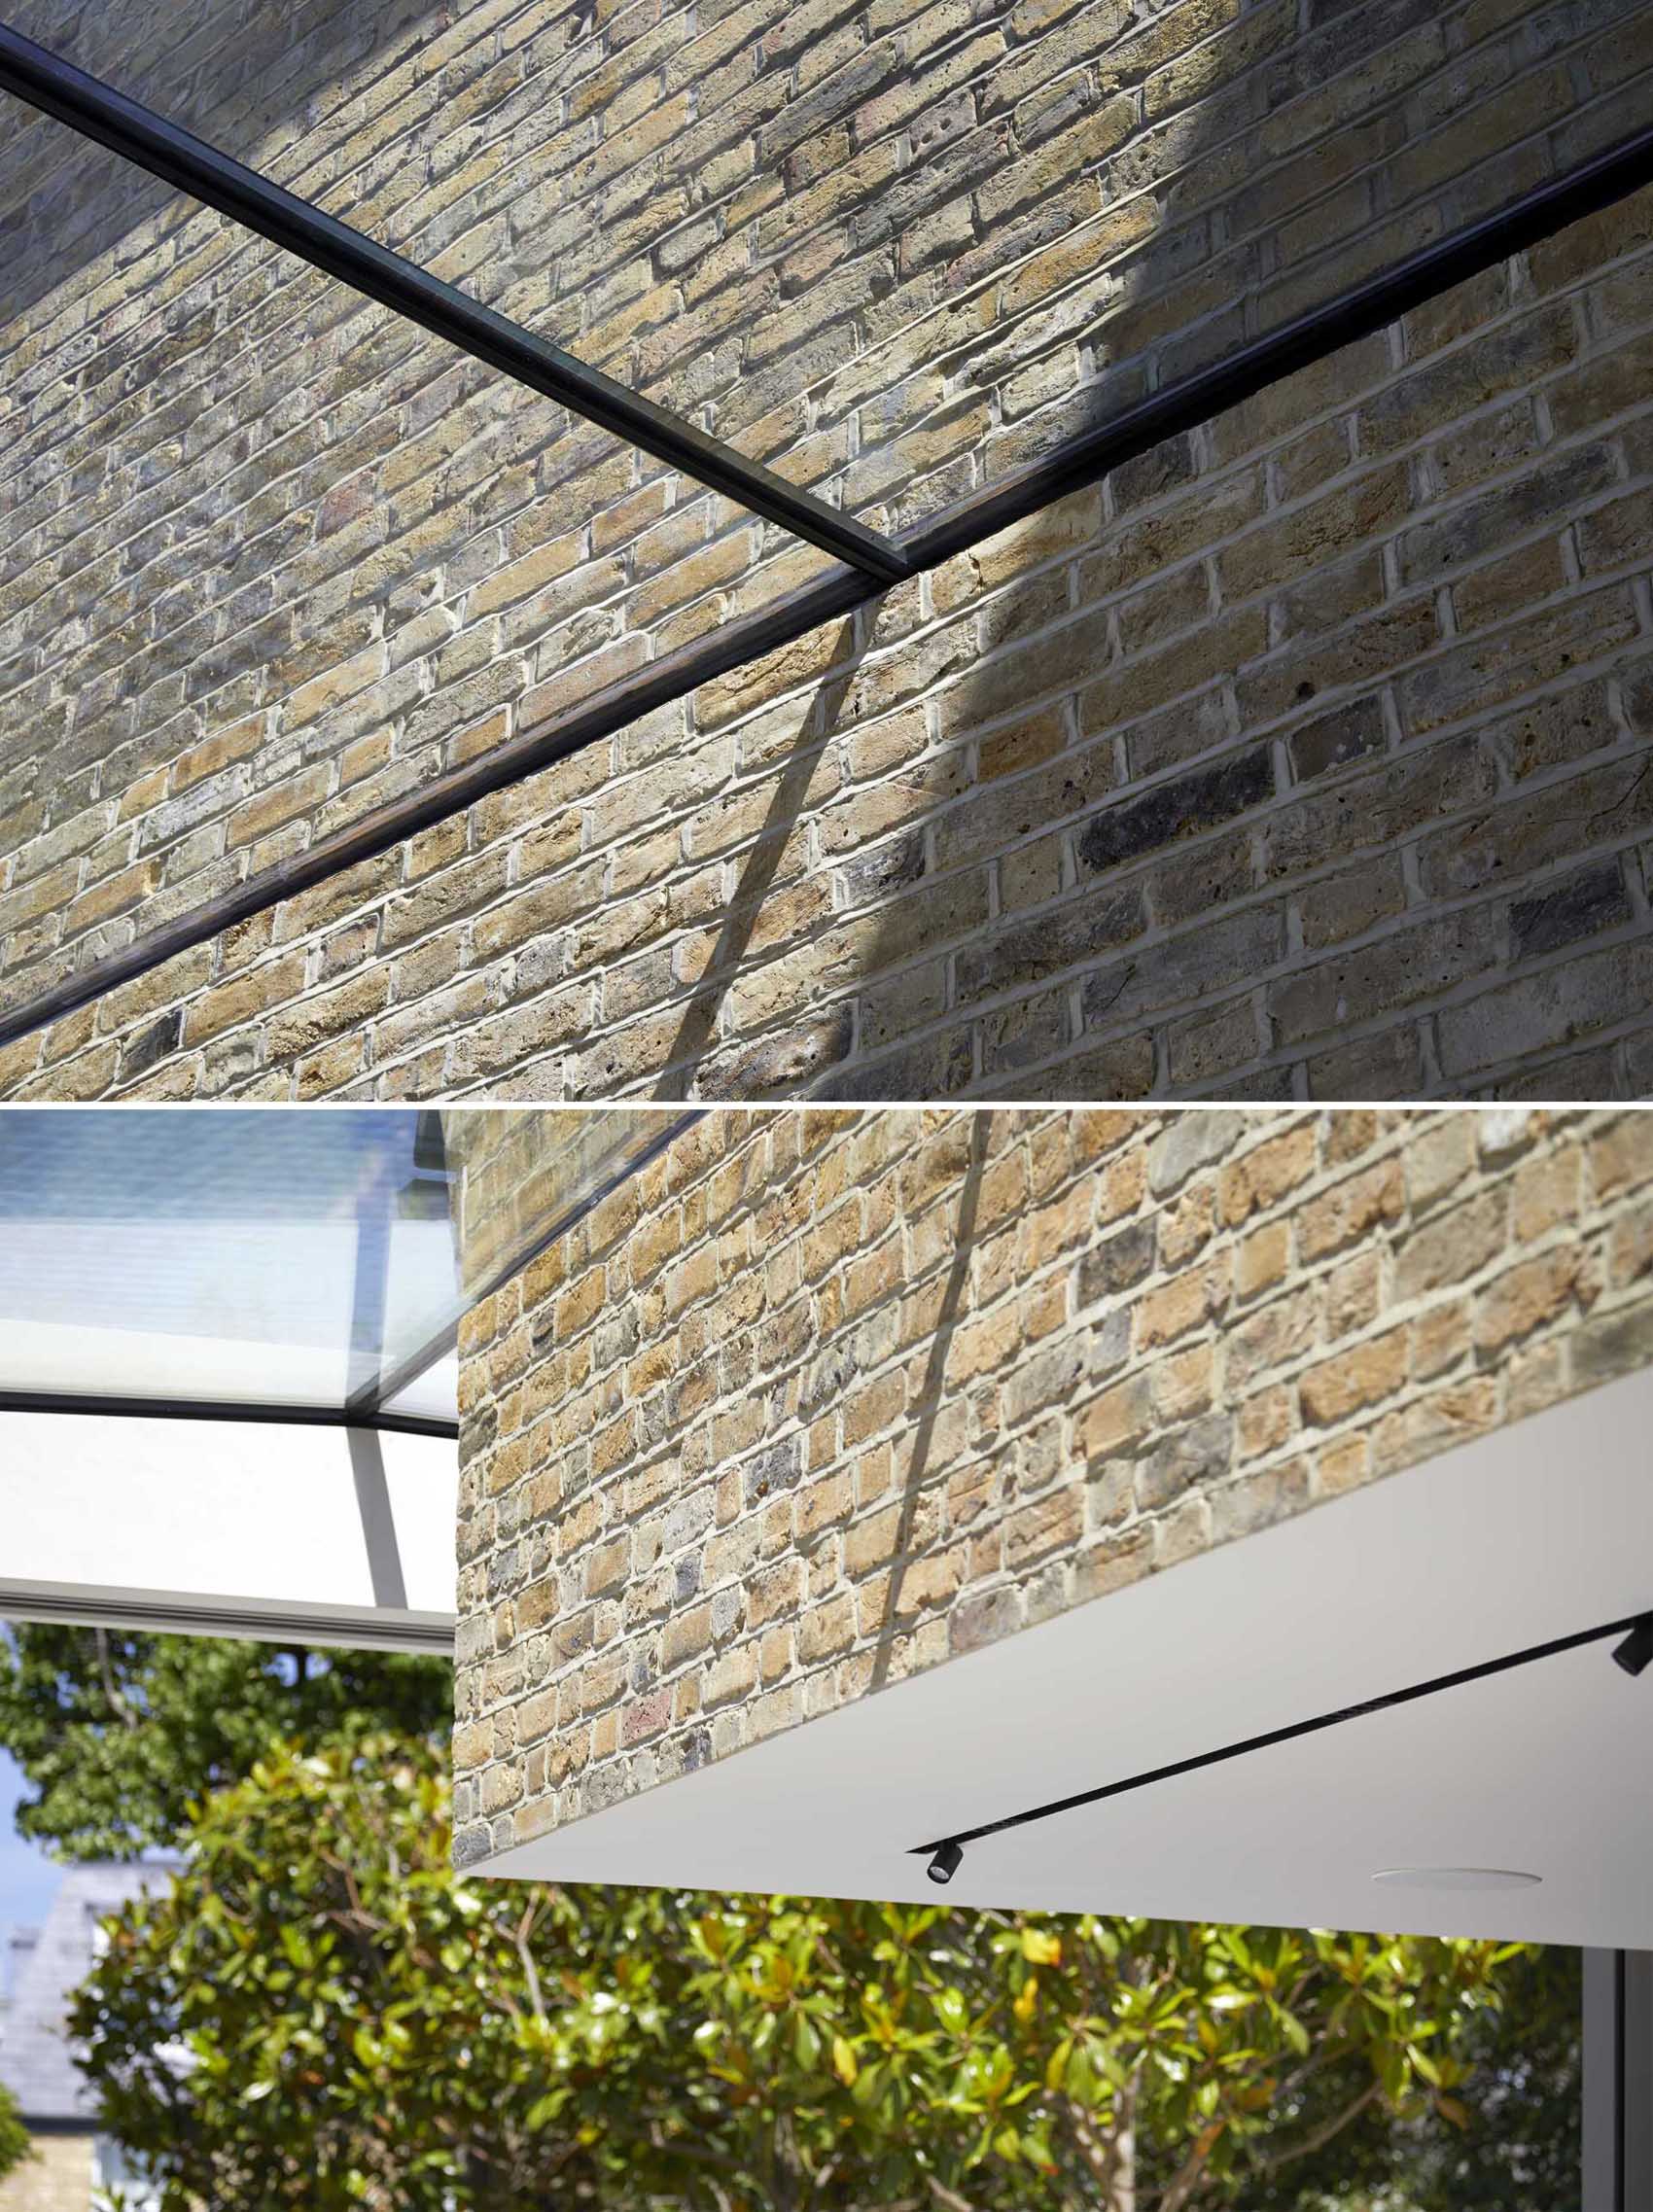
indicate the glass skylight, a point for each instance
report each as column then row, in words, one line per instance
column 265, row 1258
column 859, row 298
column 279, row 1258
column 229, row 1350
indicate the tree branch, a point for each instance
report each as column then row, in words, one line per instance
column 948, row 2197
column 1185, row 2180
column 1318, row 2137
column 111, row 1687
column 530, row 1972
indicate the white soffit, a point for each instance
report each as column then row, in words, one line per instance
column 270, row 1529
column 1536, row 1533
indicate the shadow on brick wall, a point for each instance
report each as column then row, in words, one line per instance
column 904, row 1560
column 243, row 74
column 1016, row 904
column 780, row 1066
column 1238, row 773
column 1006, row 937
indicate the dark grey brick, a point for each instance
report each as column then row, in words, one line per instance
column 1109, row 1268
column 1033, row 950
column 887, row 867
column 151, row 1046
column 778, row 1468
column 1190, row 803
column 1592, row 900
column 1201, row 1453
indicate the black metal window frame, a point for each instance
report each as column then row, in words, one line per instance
column 1618, row 2081
column 869, row 563
column 108, row 1405
column 98, row 110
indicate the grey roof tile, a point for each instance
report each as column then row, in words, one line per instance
column 36, row 2062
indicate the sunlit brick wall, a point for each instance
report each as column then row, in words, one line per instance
column 59, row 2178
column 822, row 1399
column 1368, row 653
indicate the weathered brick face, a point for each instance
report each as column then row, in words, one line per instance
column 823, row 1399
column 1369, row 652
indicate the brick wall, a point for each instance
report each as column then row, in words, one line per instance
column 278, row 558
column 823, row 1399
column 514, row 1176
column 59, row 2178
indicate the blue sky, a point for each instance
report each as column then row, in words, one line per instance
column 27, row 1877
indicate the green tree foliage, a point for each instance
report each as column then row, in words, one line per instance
column 117, row 1733
column 1522, row 2152
column 319, row 2014
column 13, row 2135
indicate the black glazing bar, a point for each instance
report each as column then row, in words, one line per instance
column 374, row 1395
column 1287, row 1735
column 98, row 111
column 1312, row 336
column 612, row 708
column 105, row 1404
column 1584, row 191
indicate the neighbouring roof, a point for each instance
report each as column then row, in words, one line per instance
column 36, row 2062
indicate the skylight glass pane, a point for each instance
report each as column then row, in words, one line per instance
column 276, row 556
column 282, row 1256
column 270, row 1258
column 433, row 1394
column 279, row 558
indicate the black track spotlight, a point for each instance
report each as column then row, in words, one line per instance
column 946, row 1862
column 1635, row 1652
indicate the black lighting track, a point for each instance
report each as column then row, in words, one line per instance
column 167, row 151
column 365, row 1406
column 1585, row 189
column 1634, row 1656
column 106, row 1405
